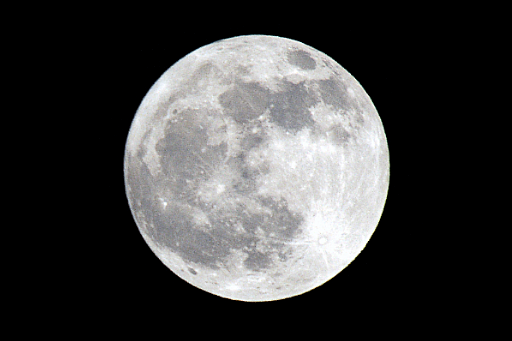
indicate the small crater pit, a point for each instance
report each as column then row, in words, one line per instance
column 322, row 240
column 339, row 135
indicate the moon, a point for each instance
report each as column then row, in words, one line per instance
column 256, row 168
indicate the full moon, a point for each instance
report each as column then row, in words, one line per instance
column 256, row 168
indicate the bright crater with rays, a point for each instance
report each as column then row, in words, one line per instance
column 256, row 168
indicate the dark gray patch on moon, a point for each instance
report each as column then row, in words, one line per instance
column 175, row 230
column 335, row 93
column 202, row 72
column 283, row 223
column 339, row 136
column 193, row 84
column 245, row 102
column 139, row 178
column 257, row 260
column 247, row 182
column 301, row 59
column 251, row 141
column 181, row 153
column 283, row 255
column 290, row 107
column 184, row 152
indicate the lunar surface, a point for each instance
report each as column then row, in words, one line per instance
column 256, row 168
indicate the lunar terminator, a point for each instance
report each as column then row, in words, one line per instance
column 256, row 168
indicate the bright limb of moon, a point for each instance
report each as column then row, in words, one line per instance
column 256, row 168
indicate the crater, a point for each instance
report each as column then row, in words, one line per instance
column 199, row 77
column 339, row 136
column 301, row 59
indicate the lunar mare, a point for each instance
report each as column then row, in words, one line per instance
column 256, row 168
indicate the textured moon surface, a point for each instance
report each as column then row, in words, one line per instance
column 256, row 168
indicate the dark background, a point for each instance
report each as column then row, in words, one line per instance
column 79, row 72
column 108, row 264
